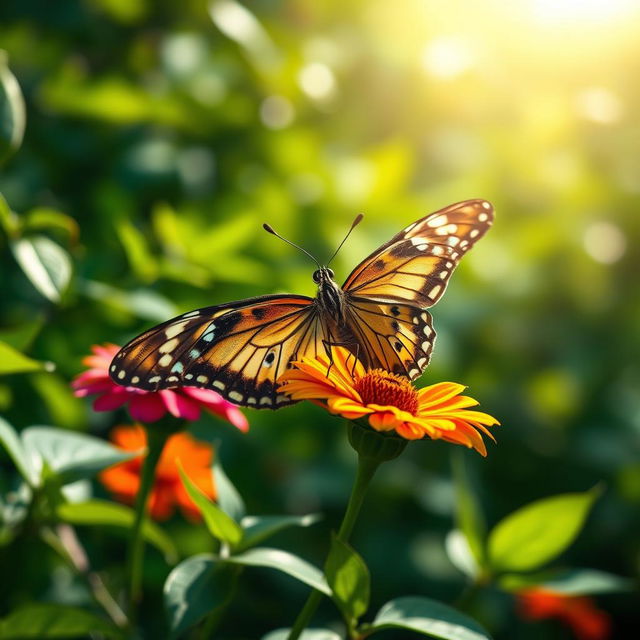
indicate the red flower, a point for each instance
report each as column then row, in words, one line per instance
column 149, row 406
column 578, row 612
column 195, row 457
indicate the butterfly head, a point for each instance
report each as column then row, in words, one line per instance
column 322, row 275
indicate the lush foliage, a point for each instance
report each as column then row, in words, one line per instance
column 159, row 136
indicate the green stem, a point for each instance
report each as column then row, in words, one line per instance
column 155, row 443
column 366, row 469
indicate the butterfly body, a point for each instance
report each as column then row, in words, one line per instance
column 240, row 349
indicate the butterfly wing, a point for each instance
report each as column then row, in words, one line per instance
column 416, row 264
column 391, row 336
column 238, row 349
column 388, row 292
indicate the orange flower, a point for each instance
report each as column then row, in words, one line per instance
column 123, row 479
column 390, row 402
column 578, row 612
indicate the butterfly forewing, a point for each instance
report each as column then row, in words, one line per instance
column 240, row 349
column 416, row 264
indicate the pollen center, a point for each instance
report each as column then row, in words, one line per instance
column 382, row 387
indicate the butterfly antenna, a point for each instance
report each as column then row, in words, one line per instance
column 354, row 224
column 272, row 231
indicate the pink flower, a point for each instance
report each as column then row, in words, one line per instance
column 149, row 406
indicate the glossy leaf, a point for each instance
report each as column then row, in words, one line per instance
column 44, row 218
column 12, row 361
column 283, row 561
column 307, row 634
column 9, row 221
column 69, row 454
column 459, row 552
column 228, row 498
column 348, row 578
column 12, row 443
column 12, row 111
column 102, row 513
column 40, row 620
column 538, row 532
column 45, row 263
column 428, row 618
column 570, row 582
column 220, row 525
column 259, row 528
column 192, row 590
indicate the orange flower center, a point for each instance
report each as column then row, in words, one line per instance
column 384, row 388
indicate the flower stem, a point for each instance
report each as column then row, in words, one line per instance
column 366, row 469
column 155, row 443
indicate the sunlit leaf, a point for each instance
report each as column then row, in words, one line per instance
column 348, row 578
column 49, row 219
column 228, row 498
column 21, row 336
column 141, row 261
column 220, row 525
column 283, row 561
column 538, row 532
column 259, row 528
column 459, row 552
column 428, row 618
column 11, row 442
column 12, row 111
column 45, row 263
column 69, row 454
column 9, row 221
column 41, row 620
column 570, row 582
column 195, row 588
column 101, row 513
column 12, row 361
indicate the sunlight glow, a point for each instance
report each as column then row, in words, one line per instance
column 604, row 242
column 447, row 57
column 569, row 11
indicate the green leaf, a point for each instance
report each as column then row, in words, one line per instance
column 12, row 361
column 459, row 552
column 51, row 220
column 220, row 525
column 283, row 561
column 307, row 634
column 570, row 582
column 21, row 336
column 12, row 111
column 40, row 620
column 141, row 261
column 349, row 579
column 538, row 532
column 469, row 517
column 228, row 498
column 11, row 442
column 9, row 221
column 259, row 528
column 194, row 588
column 104, row 513
column 427, row 617
column 69, row 454
column 45, row 263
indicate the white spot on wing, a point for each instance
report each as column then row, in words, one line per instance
column 191, row 314
column 447, row 229
column 235, row 396
column 173, row 331
column 202, row 379
column 219, row 385
column 438, row 221
column 483, row 217
column 422, row 362
column 474, row 232
column 155, row 379
column 265, row 400
column 168, row 346
column 435, row 291
column 165, row 361
column 486, row 205
column 121, row 375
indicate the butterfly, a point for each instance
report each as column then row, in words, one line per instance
column 240, row 349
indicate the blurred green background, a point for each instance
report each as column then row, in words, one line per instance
column 168, row 132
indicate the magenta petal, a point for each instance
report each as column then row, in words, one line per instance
column 180, row 406
column 110, row 401
column 216, row 404
column 147, row 407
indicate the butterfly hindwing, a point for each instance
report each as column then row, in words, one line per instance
column 239, row 349
column 396, row 337
column 416, row 264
